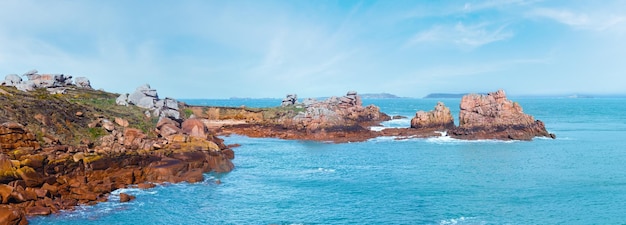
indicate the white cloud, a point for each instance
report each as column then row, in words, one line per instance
column 464, row 36
column 598, row 21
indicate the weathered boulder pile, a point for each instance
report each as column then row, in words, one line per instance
column 55, row 83
column 439, row 118
column 493, row 116
column 336, row 119
column 290, row 100
column 147, row 98
column 334, row 113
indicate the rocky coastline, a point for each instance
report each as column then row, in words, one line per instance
column 344, row 119
column 63, row 144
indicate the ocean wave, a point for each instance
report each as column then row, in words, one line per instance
column 448, row 139
column 461, row 220
column 325, row 170
column 398, row 123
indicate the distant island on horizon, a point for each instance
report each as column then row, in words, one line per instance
column 378, row 96
column 446, row 95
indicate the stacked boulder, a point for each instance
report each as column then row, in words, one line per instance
column 147, row 98
column 351, row 99
column 290, row 100
column 49, row 81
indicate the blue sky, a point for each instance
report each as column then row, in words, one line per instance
column 221, row 49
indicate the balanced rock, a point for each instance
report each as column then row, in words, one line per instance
column 439, row 118
column 291, row 99
column 493, row 116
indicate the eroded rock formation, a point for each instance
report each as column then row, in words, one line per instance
column 55, row 83
column 148, row 98
column 439, row 118
column 493, row 116
column 57, row 152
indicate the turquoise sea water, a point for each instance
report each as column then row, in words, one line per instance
column 579, row 178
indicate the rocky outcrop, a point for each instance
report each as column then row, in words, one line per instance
column 439, row 118
column 290, row 100
column 334, row 113
column 83, row 82
column 57, row 152
column 53, row 82
column 41, row 181
column 337, row 119
column 147, row 98
column 493, row 116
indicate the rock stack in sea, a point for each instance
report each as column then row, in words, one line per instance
column 493, row 116
column 54, row 83
column 335, row 112
column 290, row 100
column 439, row 118
column 147, row 98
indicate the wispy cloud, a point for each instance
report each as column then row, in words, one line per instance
column 464, row 36
column 581, row 20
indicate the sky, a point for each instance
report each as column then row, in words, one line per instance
column 222, row 49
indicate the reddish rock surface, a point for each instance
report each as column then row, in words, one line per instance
column 336, row 119
column 38, row 181
column 439, row 118
column 493, row 116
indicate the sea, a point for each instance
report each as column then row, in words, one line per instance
column 577, row 178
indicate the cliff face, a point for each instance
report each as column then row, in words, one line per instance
column 61, row 150
column 439, row 118
column 493, row 116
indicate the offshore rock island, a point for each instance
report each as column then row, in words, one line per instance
column 65, row 144
column 345, row 119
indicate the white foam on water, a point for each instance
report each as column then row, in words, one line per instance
column 326, row 170
column 448, row 139
column 462, row 220
column 398, row 123
column 377, row 128
column 383, row 139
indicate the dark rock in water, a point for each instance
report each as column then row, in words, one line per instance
column 440, row 118
column 126, row 197
column 396, row 117
column 493, row 116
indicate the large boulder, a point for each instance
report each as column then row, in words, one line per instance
column 122, row 99
column 147, row 98
column 11, row 216
column 493, row 116
column 439, row 118
column 12, row 80
column 194, row 128
column 290, row 100
column 83, row 82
